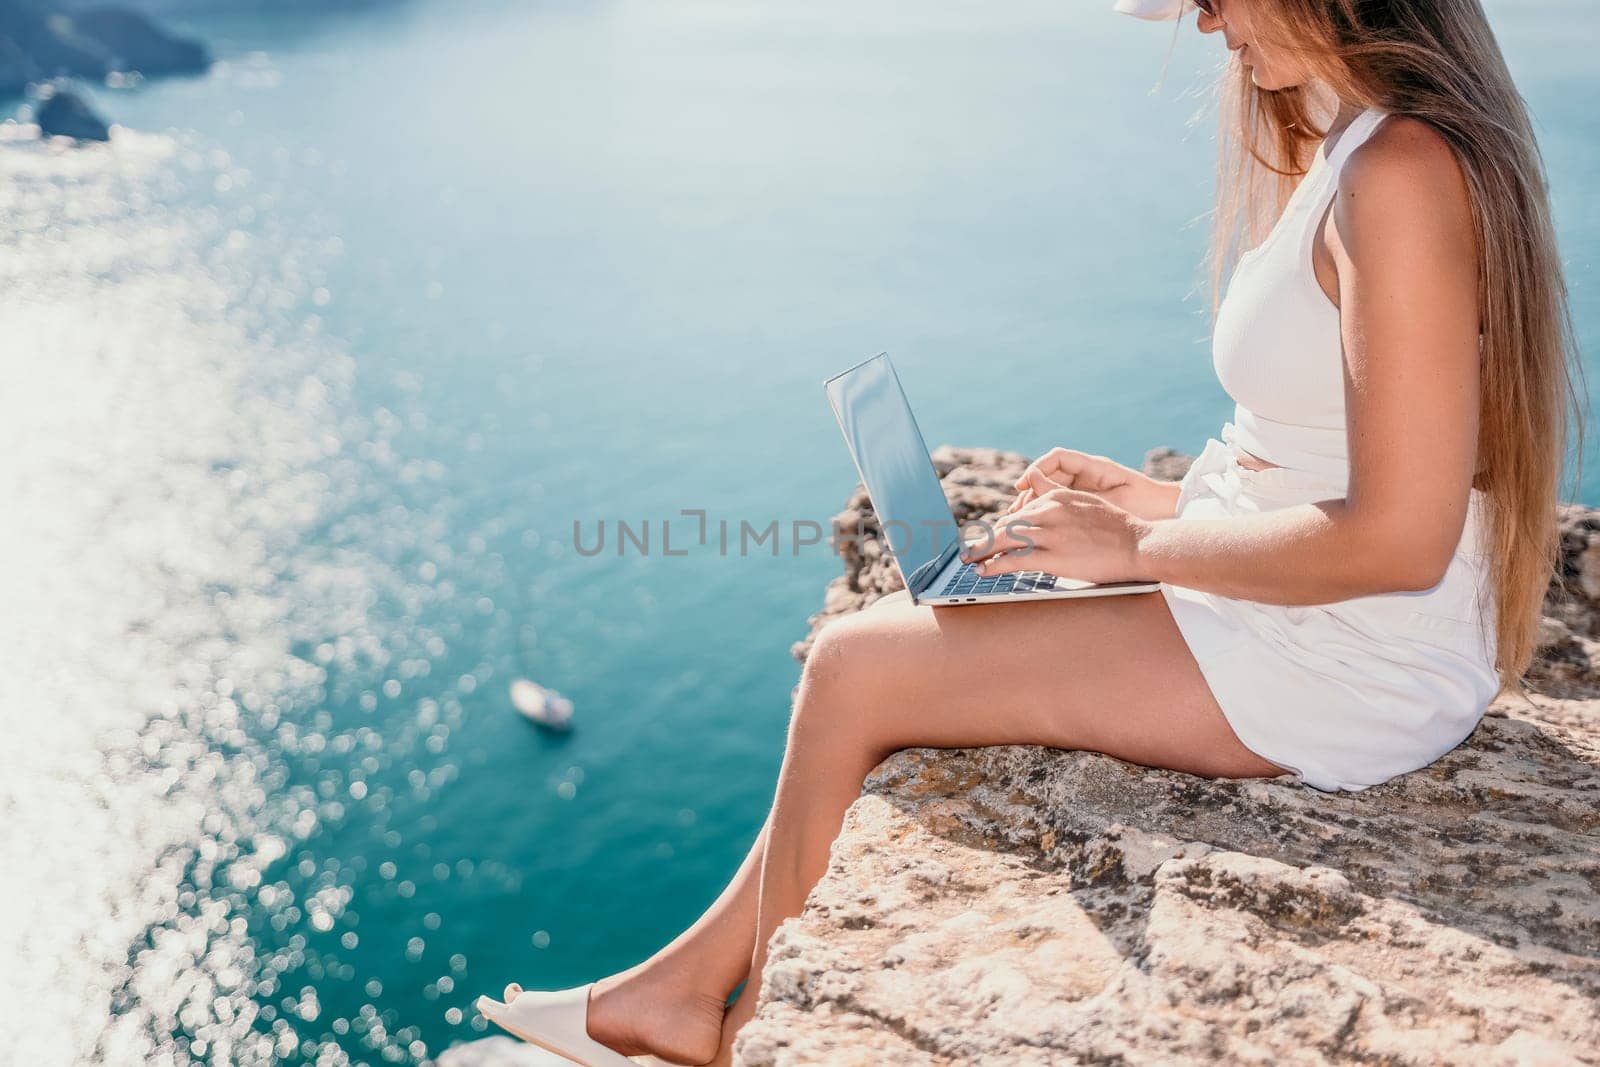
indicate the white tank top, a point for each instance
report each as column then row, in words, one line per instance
column 1276, row 345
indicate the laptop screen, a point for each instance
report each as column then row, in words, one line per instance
column 893, row 461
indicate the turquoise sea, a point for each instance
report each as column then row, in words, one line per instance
column 311, row 373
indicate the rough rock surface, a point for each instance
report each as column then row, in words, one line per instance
column 1022, row 905
column 1569, row 636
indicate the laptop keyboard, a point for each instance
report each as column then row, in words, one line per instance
column 967, row 582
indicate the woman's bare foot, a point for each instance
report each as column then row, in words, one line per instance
column 647, row 1010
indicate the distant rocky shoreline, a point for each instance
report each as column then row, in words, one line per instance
column 41, row 44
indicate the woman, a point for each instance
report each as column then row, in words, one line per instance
column 1349, row 575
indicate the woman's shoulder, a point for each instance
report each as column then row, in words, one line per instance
column 1405, row 179
column 1407, row 163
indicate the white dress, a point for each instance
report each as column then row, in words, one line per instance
column 1345, row 695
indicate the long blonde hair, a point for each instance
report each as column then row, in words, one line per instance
column 1436, row 61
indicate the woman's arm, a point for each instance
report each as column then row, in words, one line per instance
column 1400, row 237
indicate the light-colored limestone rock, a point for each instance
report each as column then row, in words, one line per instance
column 1028, row 906
column 1021, row 905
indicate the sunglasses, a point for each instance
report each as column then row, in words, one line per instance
column 1210, row 7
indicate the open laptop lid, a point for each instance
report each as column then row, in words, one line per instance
column 895, row 467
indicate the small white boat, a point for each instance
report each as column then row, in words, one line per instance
column 543, row 706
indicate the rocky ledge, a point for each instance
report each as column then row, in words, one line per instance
column 1023, row 905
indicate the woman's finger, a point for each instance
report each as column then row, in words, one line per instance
column 1058, row 464
column 1023, row 499
column 1042, row 483
column 1011, row 563
column 1010, row 535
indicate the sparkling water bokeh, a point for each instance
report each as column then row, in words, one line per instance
column 311, row 371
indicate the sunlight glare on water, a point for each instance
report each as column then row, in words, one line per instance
column 169, row 640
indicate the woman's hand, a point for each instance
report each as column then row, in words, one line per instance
column 1063, row 468
column 1066, row 532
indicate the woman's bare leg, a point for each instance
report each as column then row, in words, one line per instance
column 1108, row 675
column 672, row 1004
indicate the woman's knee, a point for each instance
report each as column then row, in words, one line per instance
column 856, row 648
column 855, row 663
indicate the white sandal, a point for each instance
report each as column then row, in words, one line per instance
column 557, row 1022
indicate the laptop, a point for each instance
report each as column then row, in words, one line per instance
column 918, row 527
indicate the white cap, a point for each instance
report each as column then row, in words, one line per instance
column 1154, row 10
